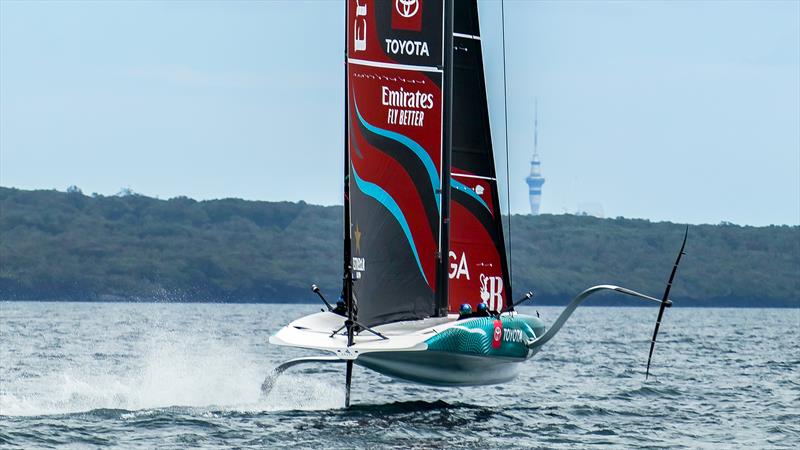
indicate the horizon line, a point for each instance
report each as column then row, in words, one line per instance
column 127, row 191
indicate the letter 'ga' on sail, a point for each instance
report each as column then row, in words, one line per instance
column 394, row 156
column 478, row 266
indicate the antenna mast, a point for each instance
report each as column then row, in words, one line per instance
column 536, row 126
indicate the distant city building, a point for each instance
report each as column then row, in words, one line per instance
column 535, row 179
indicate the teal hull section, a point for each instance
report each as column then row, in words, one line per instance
column 476, row 351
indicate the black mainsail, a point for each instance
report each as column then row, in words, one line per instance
column 394, row 164
column 407, row 243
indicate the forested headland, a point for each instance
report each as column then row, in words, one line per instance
column 69, row 246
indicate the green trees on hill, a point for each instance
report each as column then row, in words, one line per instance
column 725, row 264
column 57, row 245
column 67, row 246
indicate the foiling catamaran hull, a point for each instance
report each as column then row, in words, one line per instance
column 442, row 352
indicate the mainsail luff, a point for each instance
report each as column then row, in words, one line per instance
column 346, row 267
column 443, row 280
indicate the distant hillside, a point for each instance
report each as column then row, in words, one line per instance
column 68, row 246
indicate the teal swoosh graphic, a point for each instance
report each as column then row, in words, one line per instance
column 430, row 167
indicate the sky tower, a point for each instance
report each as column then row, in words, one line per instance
column 535, row 179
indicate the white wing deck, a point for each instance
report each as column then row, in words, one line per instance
column 315, row 331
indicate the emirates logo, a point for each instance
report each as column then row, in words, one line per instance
column 406, row 8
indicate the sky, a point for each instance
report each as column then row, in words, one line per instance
column 680, row 111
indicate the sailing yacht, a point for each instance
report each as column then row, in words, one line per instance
column 423, row 231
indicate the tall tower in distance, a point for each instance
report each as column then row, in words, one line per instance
column 535, row 179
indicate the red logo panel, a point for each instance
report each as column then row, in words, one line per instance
column 407, row 15
column 497, row 336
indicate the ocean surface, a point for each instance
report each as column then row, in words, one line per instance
column 189, row 375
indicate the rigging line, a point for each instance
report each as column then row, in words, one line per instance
column 505, row 133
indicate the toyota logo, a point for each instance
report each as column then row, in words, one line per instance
column 406, row 8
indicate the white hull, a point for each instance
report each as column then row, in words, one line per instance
column 437, row 351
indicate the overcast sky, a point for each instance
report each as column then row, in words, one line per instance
column 680, row 111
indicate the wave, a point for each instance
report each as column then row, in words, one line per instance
column 172, row 370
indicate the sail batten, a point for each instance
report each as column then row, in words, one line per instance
column 363, row 62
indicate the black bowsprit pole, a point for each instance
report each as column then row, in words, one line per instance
column 512, row 304
column 315, row 289
column 665, row 301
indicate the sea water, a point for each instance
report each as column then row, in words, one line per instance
column 189, row 375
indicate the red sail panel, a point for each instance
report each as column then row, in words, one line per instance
column 478, row 266
column 391, row 31
column 394, row 115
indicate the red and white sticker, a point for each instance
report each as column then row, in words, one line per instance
column 497, row 336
